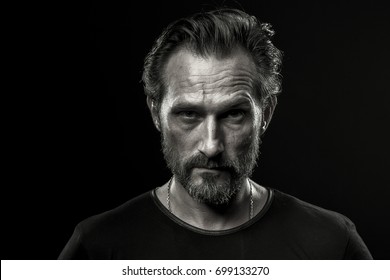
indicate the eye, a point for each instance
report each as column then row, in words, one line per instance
column 235, row 114
column 188, row 114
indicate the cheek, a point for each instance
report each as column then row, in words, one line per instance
column 240, row 140
column 177, row 138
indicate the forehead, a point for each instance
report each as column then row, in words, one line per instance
column 189, row 76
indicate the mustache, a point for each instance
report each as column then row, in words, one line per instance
column 202, row 161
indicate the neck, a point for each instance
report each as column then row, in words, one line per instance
column 206, row 216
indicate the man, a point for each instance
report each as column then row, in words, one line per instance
column 211, row 82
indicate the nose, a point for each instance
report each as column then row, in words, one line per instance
column 211, row 143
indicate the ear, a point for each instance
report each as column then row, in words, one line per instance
column 154, row 112
column 268, row 111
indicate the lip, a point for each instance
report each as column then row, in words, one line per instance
column 212, row 170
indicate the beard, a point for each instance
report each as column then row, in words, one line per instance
column 210, row 191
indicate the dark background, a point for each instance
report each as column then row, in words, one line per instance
column 79, row 139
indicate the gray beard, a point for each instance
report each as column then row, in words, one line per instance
column 211, row 192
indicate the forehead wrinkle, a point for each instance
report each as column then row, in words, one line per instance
column 224, row 72
column 220, row 101
column 205, row 83
column 187, row 74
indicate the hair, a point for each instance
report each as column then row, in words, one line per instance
column 217, row 32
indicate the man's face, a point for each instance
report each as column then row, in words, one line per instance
column 210, row 123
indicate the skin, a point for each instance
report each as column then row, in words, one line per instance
column 210, row 108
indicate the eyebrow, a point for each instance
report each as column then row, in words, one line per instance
column 238, row 102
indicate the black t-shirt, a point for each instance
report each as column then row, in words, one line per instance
column 286, row 228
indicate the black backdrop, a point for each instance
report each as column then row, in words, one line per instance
column 80, row 139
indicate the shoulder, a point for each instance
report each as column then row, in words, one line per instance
column 102, row 236
column 300, row 210
column 323, row 229
column 115, row 218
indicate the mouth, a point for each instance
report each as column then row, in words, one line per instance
column 212, row 169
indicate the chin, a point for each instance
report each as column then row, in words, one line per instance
column 211, row 189
column 209, row 178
